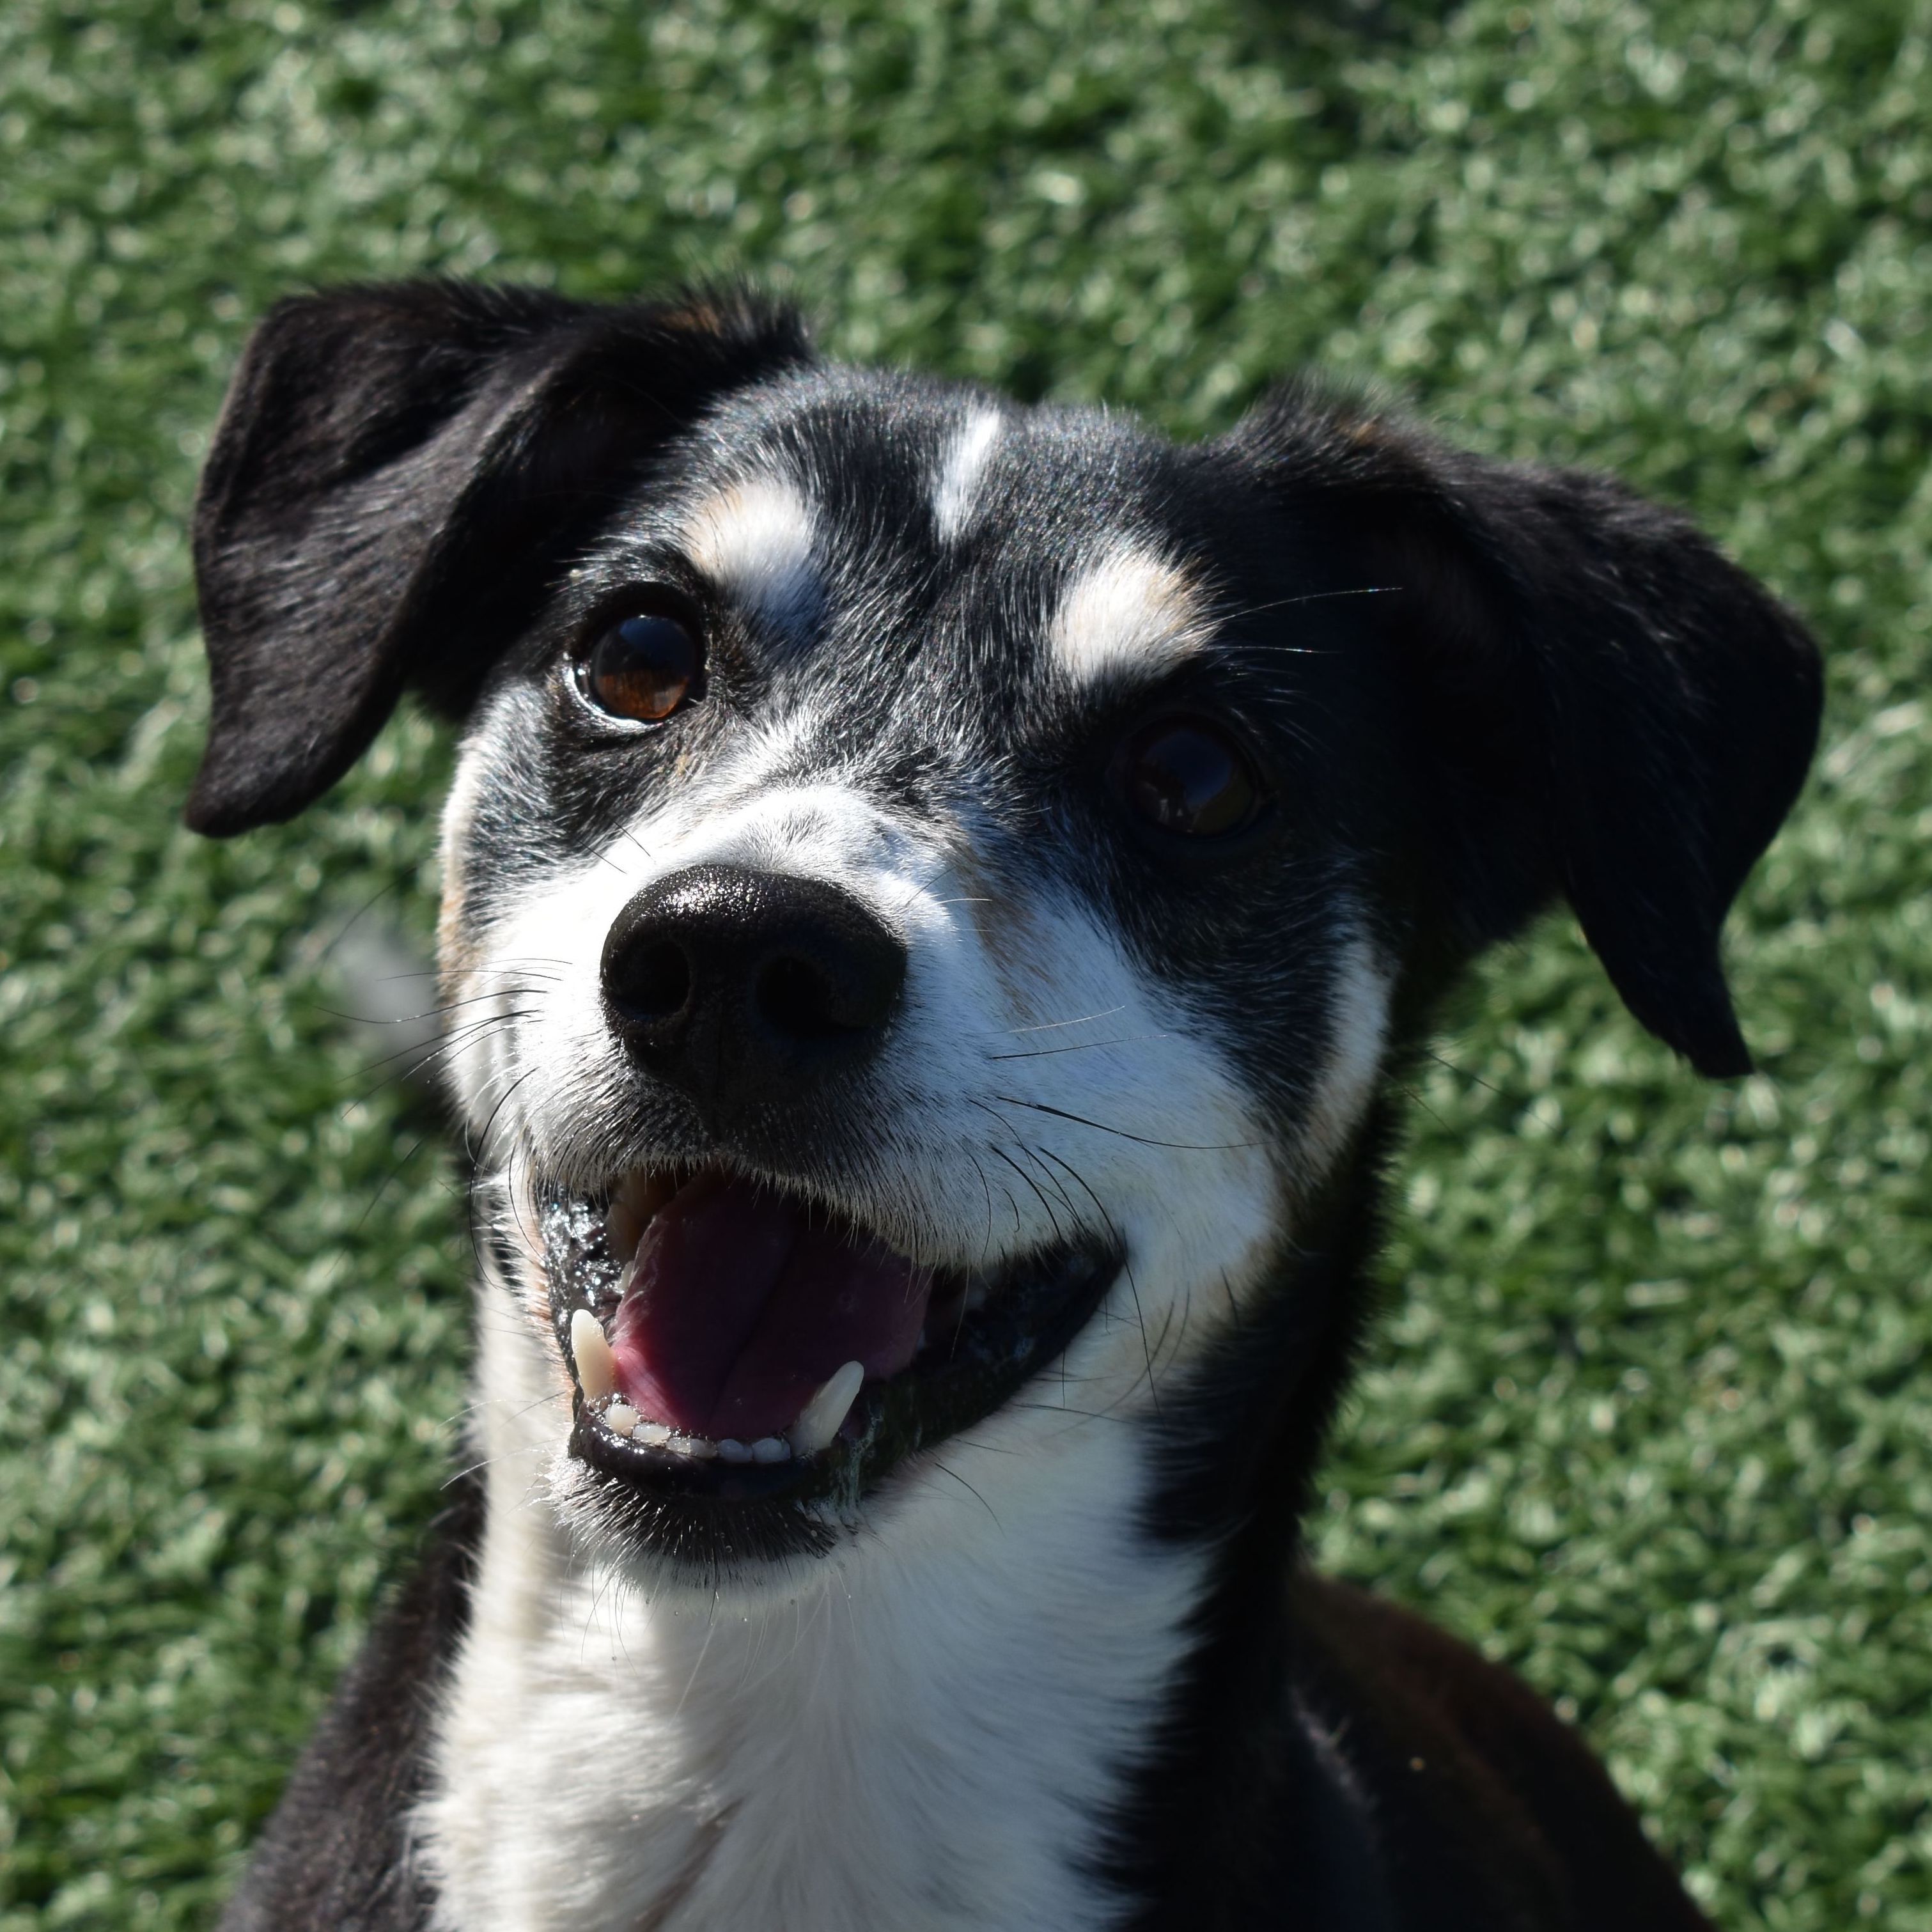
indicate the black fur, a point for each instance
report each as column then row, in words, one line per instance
column 1603, row 706
column 1476, row 687
column 335, row 1855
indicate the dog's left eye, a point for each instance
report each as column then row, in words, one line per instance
column 642, row 666
column 1188, row 776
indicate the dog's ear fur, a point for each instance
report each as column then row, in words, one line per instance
column 1597, row 703
column 398, row 473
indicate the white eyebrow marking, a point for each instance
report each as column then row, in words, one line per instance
column 1131, row 614
column 957, row 480
column 754, row 541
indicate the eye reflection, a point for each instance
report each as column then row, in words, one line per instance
column 642, row 668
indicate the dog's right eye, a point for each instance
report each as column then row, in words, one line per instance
column 642, row 665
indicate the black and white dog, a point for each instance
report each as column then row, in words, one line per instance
column 935, row 889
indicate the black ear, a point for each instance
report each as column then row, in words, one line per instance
column 397, row 473
column 1597, row 704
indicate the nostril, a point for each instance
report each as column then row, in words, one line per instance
column 654, row 982
column 793, row 997
column 724, row 981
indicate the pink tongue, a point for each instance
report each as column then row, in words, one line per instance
column 739, row 1308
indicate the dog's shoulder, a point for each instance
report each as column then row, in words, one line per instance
column 1470, row 1786
column 335, row 1854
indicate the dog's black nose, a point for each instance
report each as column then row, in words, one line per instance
column 738, row 986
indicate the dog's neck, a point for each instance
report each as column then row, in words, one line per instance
column 932, row 1730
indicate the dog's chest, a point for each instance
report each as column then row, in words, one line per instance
column 931, row 1735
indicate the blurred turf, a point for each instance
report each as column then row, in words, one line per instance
column 1651, row 1419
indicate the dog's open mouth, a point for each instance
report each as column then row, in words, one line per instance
column 732, row 1342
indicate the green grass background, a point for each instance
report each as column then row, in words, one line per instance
column 1652, row 1418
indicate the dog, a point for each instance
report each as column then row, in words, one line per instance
column 936, row 890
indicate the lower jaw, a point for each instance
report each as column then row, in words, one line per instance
column 678, row 1498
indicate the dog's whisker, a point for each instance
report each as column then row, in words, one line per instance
column 484, row 1464
column 1079, row 1046
column 1032, row 1187
column 394, row 1169
column 442, row 1010
column 458, row 1040
column 1145, row 1140
column 1053, row 1026
column 484, row 1140
column 1240, row 613
column 476, row 969
column 466, row 1041
column 944, row 1470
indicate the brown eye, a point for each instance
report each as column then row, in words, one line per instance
column 1185, row 775
column 641, row 667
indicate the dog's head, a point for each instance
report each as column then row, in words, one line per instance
column 932, row 885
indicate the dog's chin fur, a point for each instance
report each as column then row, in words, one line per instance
column 932, row 1712
column 1164, row 790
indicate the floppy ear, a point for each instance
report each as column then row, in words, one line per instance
column 398, row 472
column 1598, row 704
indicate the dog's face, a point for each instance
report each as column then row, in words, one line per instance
column 932, row 885
column 911, row 870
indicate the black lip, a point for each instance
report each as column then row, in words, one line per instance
column 1035, row 1308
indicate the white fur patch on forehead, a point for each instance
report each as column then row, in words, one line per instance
column 754, row 541
column 956, row 484
column 1130, row 614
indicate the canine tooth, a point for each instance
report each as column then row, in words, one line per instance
column 731, row 1450
column 771, row 1449
column 653, row 1434
column 621, row 1417
column 596, row 1367
column 634, row 1201
column 640, row 1194
column 818, row 1421
column 622, row 1230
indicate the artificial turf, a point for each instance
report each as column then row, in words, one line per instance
column 1652, row 1417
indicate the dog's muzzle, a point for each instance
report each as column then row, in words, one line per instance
column 738, row 1344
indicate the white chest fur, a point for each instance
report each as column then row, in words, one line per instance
column 923, row 1732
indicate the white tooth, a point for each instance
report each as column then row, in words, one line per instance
column 596, row 1367
column 640, row 1194
column 700, row 1448
column 634, row 1200
column 653, row 1434
column 771, row 1449
column 731, row 1450
column 818, row 1421
column 622, row 1230
column 621, row 1417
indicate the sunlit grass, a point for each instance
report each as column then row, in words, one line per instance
column 1650, row 1416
